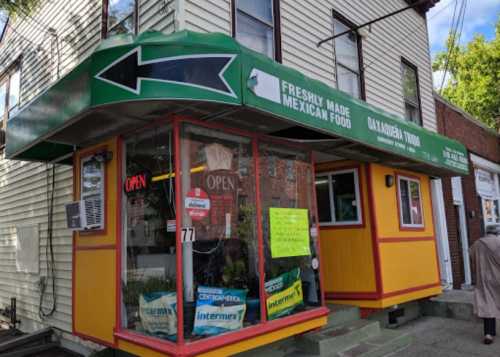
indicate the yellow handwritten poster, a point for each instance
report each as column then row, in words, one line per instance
column 289, row 232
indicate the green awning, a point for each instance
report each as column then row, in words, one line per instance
column 128, row 81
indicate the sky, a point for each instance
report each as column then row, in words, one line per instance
column 480, row 17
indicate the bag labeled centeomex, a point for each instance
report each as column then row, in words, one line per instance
column 219, row 310
column 284, row 294
column 158, row 313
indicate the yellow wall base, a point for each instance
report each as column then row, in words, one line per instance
column 391, row 301
column 239, row 347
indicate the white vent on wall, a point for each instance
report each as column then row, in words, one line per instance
column 85, row 214
column 27, row 249
column 93, row 212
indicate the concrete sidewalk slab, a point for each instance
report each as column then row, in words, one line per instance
column 443, row 337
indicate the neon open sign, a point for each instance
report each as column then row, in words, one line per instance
column 136, row 183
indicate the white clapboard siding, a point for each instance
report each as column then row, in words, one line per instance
column 208, row 15
column 304, row 23
column 23, row 186
column 23, row 201
column 158, row 15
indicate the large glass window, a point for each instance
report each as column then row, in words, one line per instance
column 149, row 298
column 221, row 284
column 410, row 202
column 255, row 25
column 339, row 198
column 410, row 92
column 289, row 231
column 121, row 16
column 347, row 59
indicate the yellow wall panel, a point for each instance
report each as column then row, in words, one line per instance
column 108, row 237
column 386, row 204
column 95, row 293
column 347, row 256
column 407, row 265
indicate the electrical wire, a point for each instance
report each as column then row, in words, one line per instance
column 49, row 248
column 455, row 21
column 455, row 43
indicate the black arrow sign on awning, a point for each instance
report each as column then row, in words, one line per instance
column 204, row 71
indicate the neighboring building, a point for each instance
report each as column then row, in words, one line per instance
column 65, row 98
column 473, row 201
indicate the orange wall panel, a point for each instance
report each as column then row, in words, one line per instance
column 95, row 293
column 386, row 204
column 347, row 255
column 407, row 265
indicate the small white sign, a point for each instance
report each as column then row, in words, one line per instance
column 171, row 225
column 188, row 234
column 266, row 86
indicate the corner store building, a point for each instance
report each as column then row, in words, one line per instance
column 382, row 88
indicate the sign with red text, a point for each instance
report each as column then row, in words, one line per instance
column 197, row 204
column 136, row 182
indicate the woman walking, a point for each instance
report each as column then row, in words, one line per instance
column 485, row 255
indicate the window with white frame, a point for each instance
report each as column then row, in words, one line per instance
column 487, row 186
column 338, row 197
column 410, row 202
column 411, row 93
column 347, row 58
column 121, row 16
column 255, row 25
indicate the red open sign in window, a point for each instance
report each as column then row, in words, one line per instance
column 136, row 183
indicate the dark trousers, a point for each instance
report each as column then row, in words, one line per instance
column 490, row 326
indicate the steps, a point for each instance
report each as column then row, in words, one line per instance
column 453, row 304
column 345, row 335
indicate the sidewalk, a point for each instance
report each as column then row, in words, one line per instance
column 442, row 337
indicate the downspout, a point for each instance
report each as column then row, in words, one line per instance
column 180, row 15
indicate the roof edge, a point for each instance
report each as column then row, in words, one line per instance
column 466, row 115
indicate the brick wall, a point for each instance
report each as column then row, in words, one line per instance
column 480, row 141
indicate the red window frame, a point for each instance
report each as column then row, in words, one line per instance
column 402, row 225
column 214, row 342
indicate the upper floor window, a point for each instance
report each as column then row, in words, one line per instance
column 347, row 58
column 338, row 198
column 411, row 92
column 256, row 25
column 410, row 203
column 10, row 90
column 3, row 23
column 120, row 17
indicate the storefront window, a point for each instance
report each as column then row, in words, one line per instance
column 339, row 198
column 289, row 232
column 410, row 202
column 149, row 304
column 220, row 264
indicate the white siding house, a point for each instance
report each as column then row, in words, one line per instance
column 62, row 33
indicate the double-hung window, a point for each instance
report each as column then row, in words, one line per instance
column 10, row 90
column 347, row 58
column 410, row 203
column 411, row 93
column 255, row 25
column 339, row 199
column 120, row 17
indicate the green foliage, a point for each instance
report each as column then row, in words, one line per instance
column 135, row 288
column 474, row 71
column 19, row 7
